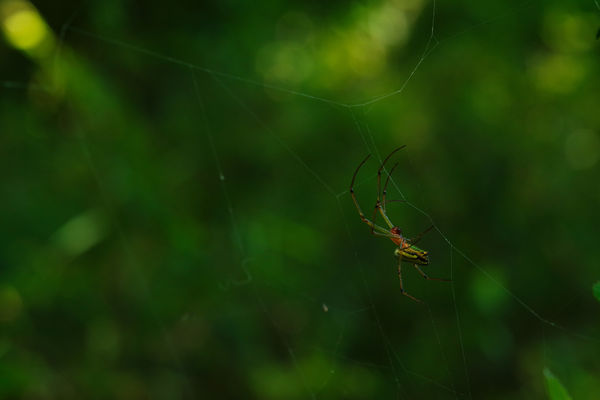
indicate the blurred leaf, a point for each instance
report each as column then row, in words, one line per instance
column 555, row 388
column 596, row 289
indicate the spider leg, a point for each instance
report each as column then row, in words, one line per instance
column 387, row 182
column 420, row 235
column 428, row 277
column 382, row 202
column 387, row 233
column 401, row 285
column 381, row 195
column 383, row 166
column 374, row 227
column 373, row 217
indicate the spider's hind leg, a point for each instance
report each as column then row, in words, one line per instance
column 401, row 285
column 420, row 235
column 428, row 277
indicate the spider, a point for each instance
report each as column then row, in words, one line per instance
column 406, row 250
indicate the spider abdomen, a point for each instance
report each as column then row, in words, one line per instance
column 413, row 255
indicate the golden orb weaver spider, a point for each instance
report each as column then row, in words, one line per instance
column 406, row 250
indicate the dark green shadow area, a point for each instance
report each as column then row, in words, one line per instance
column 177, row 221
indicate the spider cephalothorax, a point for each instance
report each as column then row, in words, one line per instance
column 406, row 250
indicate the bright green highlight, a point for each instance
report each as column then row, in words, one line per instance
column 596, row 290
column 556, row 390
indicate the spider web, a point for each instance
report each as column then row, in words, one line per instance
column 302, row 282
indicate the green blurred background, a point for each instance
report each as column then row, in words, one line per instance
column 176, row 221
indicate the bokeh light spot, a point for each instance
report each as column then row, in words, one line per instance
column 558, row 73
column 80, row 233
column 388, row 25
column 568, row 32
column 24, row 29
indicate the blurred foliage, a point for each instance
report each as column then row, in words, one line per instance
column 555, row 389
column 177, row 222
